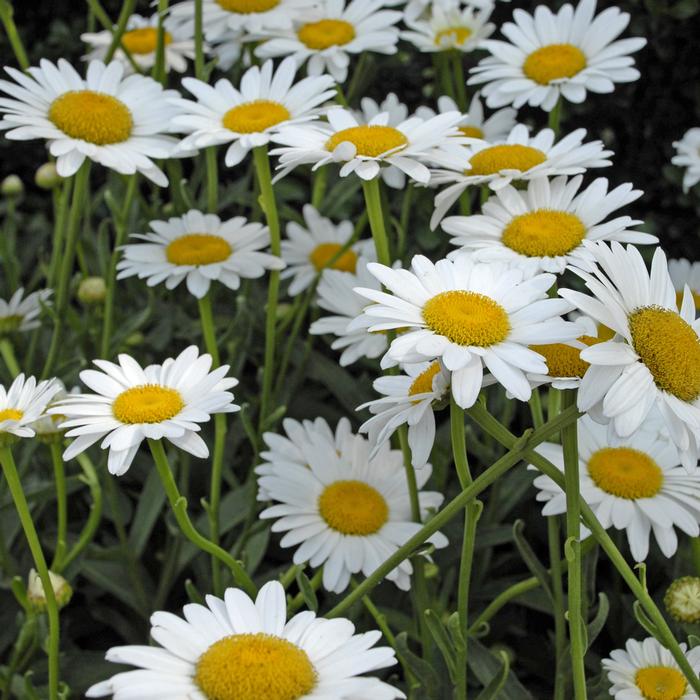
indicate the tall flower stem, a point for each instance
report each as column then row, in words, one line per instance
column 207, row 318
column 554, row 120
column 198, row 41
column 373, row 202
column 460, row 83
column 269, row 206
column 8, row 22
column 59, row 229
column 25, row 517
column 126, row 12
column 121, row 225
column 9, row 357
column 159, row 68
column 59, row 475
column 556, row 573
column 80, row 187
column 179, row 506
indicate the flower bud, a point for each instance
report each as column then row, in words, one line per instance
column 682, row 599
column 12, row 186
column 47, row 176
column 92, row 290
column 135, row 339
column 35, row 590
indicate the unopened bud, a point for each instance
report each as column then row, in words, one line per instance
column 682, row 599
column 47, row 176
column 35, row 590
column 135, row 339
column 12, row 186
column 92, row 290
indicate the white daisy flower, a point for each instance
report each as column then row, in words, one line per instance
column 226, row 49
column 552, row 55
column 252, row 115
column 365, row 148
column 416, row 8
column 463, row 29
column 252, row 16
column 543, row 228
column 115, row 121
column 654, row 360
column 470, row 315
column 688, row 157
column 245, row 649
column 308, row 250
column 647, row 669
column 21, row 313
column 330, row 33
column 141, row 41
column 684, row 272
column 336, row 294
column 634, row 484
column 199, row 248
column 347, row 511
column 408, row 399
column 23, row 404
column 473, row 124
column 134, row 403
column 520, row 157
column 48, row 426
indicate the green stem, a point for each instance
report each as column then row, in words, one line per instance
column 61, row 217
column 695, row 553
column 121, row 226
column 159, row 69
column 269, row 205
column 179, row 506
column 554, row 120
column 373, row 202
column 198, row 41
column 8, row 21
column 558, row 606
column 59, row 475
column 25, row 517
column 9, row 358
column 126, row 12
column 212, row 179
column 82, row 180
column 460, row 83
column 103, row 18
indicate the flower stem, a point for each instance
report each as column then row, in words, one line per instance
column 121, row 225
column 126, row 12
column 59, row 475
column 25, row 517
column 555, row 117
column 198, row 41
column 179, row 506
column 373, row 202
column 60, row 221
column 269, row 206
column 159, row 69
column 212, row 179
column 558, row 603
column 9, row 358
column 8, row 21
column 460, row 84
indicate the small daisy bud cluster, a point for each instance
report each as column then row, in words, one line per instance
column 682, row 599
column 35, row 590
column 12, row 186
column 92, row 290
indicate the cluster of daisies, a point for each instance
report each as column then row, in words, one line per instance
column 498, row 310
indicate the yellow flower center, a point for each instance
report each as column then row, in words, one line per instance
column 92, row 116
column 253, row 667
column 353, row 508
column 198, row 249
column 326, row 33
column 625, row 472
column 423, row 383
column 144, row 40
column 467, row 318
column 10, row 323
column 473, row 131
column 247, row 7
column 563, row 360
column 148, row 403
column 670, row 349
column 11, row 414
column 452, row 36
column 544, row 232
column 322, row 254
column 660, row 683
column 554, row 62
column 696, row 298
column 252, row 117
column 513, row 156
column 604, row 332
column 370, row 141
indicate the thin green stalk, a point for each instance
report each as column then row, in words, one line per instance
column 695, row 553
column 554, row 119
column 558, row 604
column 373, row 202
column 357, row 75
column 159, row 68
column 121, row 226
column 212, row 179
column 8, row 21
column 80, row 187
column 25, row 517
column 179, row 507
column 103, row 18
column 269, row 205
column 59, row 475
column 126, row 12
column 318, row 190
column 8, row 243
column 61, row 219
column 9, row 358
column 460, row 83
column 198, row 41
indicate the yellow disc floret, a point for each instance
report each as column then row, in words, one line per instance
column 253, row 667
column 554, row 62
column 670, row 349
column 326, row 33
column 625, row 472
column 353, row 507
column 247, row 7
column 11, row 414
column 92, row 116
column 473, row 131
column 544, row 233
column 467, row 318
column 144, row 41
column 507, row 156
column 563, row 360
column 323, row 253
column 660, row 683
column 147, row 403
column 452, row 36
column 10, row 323
column 423, row 383
column 252, row 117
column 198, row 249
column 370, row 141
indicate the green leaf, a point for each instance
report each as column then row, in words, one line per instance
column 421, row 669
column 531, row 560
column 151, row 501
column 307, row 591
column 596, row 625
column 486, row 667
column 493, row 689
column 442, row 641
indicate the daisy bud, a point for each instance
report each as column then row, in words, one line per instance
column 35, row 590
column 47, row 177
column 92, row 290
column 135, row 339
column 12, row 186
column 682, row 599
